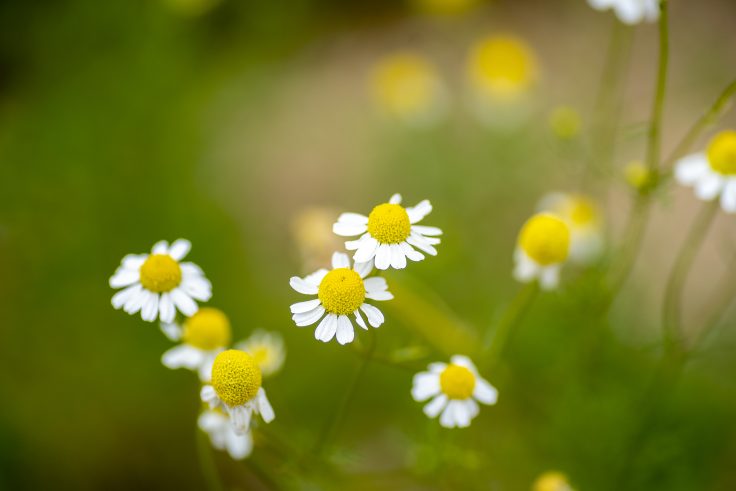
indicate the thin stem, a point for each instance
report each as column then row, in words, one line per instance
column 672, row 305
column 655, row 126
column 511, row 317
column 207, row 462
column 726, row 300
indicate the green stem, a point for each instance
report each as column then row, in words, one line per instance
column 655, row 127
column 672, row 305
column 207, row 462
column 511, row 317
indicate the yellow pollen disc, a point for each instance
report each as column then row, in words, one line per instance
column 160, row 273
column 207, row 330
column 405, row 83
column 235, row 377
column 389, row 224
column 583, row 211
column 457, row 382
column 341, row 291
column 545, row 239
column 503, row 66
column 722, row 152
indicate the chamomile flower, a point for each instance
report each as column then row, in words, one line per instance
column 341, row 293
column 267, row 348
column 236, row 388
column 551, row 481
column 204, row 335
column 542, row 248
column 630, row 11
column 406, row 86
column 389, row 234
column 455, row 390
column 217, row 425
column 584, row 220
column 712, row 173
column 158, row 284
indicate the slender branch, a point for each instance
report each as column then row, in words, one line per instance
column 655, row 127
column 511, row 317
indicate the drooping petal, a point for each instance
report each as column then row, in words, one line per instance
column 208, row 395
column 410, row 252
column 149, row 310
column 326, row 329
column 167, row 312
column 485, row 392
column 421, row 243
column 549, row 277
column 264, row 406
column 435, row 406
column 183, row 302
column 238, row 446
column 359, row 320
column 375, row 316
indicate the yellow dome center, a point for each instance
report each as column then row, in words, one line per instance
column 545, row 238
column 341, row 291
column 160, row 273
column 389, row 224
column 457, row 382
column 722, row 152
column 207, row 330
column 405, row 83
column 235, row 377
column 502, row 66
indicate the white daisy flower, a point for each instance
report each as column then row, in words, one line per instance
column 455, row 390
column 712, row 173
column 340, row 292
column 630, row 11
column 542, row 248
column 267, row 348
column 204, row 335
column 389, row 233
column 223, row 436
column 584, row 219
column 236, row 388
column 158, row 284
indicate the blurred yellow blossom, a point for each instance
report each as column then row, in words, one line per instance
column 543, row 245
column 312, row 231
column 502, row 67
column 637, row 175
column 583, row 217
column 267, row 348
column 551, row 481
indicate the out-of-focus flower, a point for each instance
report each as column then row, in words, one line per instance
column 312, row 230
column 551, row 481
column 630, row 11
column 236, row 388
column 217, row 425
column 712, row 173
column 444, row 7
column 542, row 248
column 407, row 87
column 268, row 350
column 565, row 122
column 638, row 175
column 158, row 284
column 455, row 389
column 191, row 8
column 583, row 217
column 340, row 292
column 389, row 233
column 204, row 335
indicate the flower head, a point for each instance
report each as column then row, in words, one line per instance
column 389, row 234
column 236, row 387
column 158, row 284
column 267, row 349
column 501, row 67
column 712, row 173
column 216, row 424
column 204, row 335
column 551, row 481
column 542, row 247
column 638, row 175
column 630, row 11
column 455, row 390
column 341, row 292
column 583, row 218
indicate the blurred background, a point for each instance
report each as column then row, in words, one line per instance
column 247, row 127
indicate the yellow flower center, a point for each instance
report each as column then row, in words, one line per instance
column 583, row 211
column 405, row 83
column 722, row 152
column 341, row 291
column 235, row 377
column 389, row 224
column 160, row 273
column 503, row 66
column 457, row 382
column 207, row 330
column 545, row 239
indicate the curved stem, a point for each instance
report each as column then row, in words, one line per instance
column 207, row 462
column 672, row 305
column 511, row 317
column 655, row 126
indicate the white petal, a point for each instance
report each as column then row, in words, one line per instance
column 160, row 247
column 316, row 277
column 240, row 419
column 380, row 296
column 166, row 308
column 326, row 329
column 149, row 311
column 421, row 229
column 348, row 229
column 210, row 421
column 264, row 407
column 238, row 446
column 728, row 196
column 308, row 318
column 183, row 302
column 464, row 361
column 171, row 331
column 359, row 320
column 424, row 386
column 447, row 418
column 134, row 261
column 302, row 307
column 303, row 286
column 383, row 257
column 122, row 297
column 190, row 269
column 410, row 252
column 124, row 277
column 183, row 356
column 549, row 277
column 629, row 11
column 375, row 316
column 421, row 243
column 485, row 392
column 208, row 395
column 345, row 332
column 353, row 245
column 136, row 299
column 708, row 186
column 375, row 284
column 367, row 250
column 691, row 168
column 205, row 368
column 395, row 199
column 179, row 249
column 363, row 269
column 340, row 260
column 353, row 218
column 418, row 212
column 435, row 406
column 437, row 367
column 525, row 269
column 197, row 287
column 464, row 412
column 398, row 259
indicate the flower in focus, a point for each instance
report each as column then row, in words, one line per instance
column 204, row 335
column 268, row 350
column 542, row 247
column 340, row 292
column 551, row 481
column 222, row 434
column 312, row 231
column 630, row 11
column 388, row 234
column 455, row 390
column 584, row 220
column 158, row 284
column 407, row 87
column 712, row 173
column 565, row 122
column 236, row 388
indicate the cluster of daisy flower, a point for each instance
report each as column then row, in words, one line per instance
column 158, row 285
